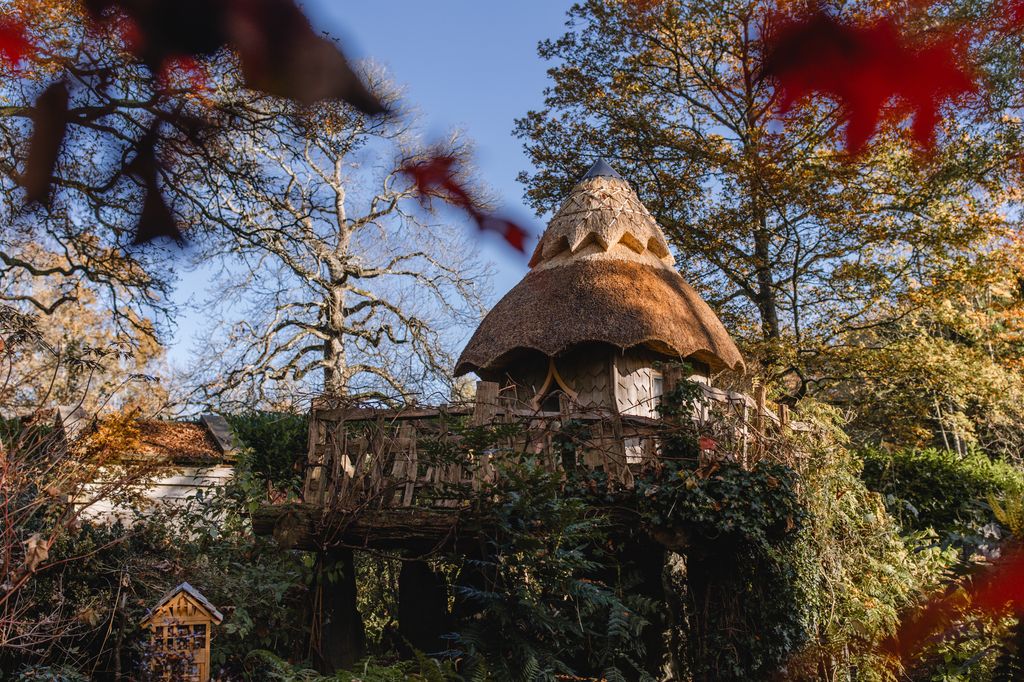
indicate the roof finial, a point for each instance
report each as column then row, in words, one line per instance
column 601, row 169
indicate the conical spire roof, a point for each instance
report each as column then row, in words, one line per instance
column 602, row 272
column 602, row 210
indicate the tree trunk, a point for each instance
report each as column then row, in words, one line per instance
column 422, row 607
column 766, row 303
column 335, row 381
column 649, row 558
column 339, row 641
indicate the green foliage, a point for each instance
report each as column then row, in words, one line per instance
column 757, row 505
column 58, row 673
column 559, row 602
column 741, row 566
column 264, row 666
column 263, row 588
column 273, row 443
column 859, row 570
column 941, row 490
column 91, row 607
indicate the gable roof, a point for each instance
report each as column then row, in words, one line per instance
column 206, row 441
column 216, row 615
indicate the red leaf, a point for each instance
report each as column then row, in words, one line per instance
column 278, row 49
column 49, row 124
column 511, row 232
column 707, row 443
column 282, row 55
column 156, row 220
column 864, row 68
column 993, row 591
column 14, row 46
column 186, row 69
column 436, row 178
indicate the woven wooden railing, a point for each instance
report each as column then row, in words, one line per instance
column 386, row 458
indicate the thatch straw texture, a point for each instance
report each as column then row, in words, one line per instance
column 601, row 273
column 620, row 303
column 603, row 211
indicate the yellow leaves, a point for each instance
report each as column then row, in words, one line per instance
column 1010, row 512
column 115, row 436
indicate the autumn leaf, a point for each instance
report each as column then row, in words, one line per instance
column 511, row 232
column 14, row 46
column 49, row 119
column 156, row 220
column 36, row 551
column 994, row 590
column 278, row 50
column 864, row 69
column 186, row 70
column 437, row 177
column 281, row 55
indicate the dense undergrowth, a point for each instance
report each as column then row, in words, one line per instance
column 797, row 567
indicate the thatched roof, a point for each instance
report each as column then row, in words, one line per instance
column 601, row 273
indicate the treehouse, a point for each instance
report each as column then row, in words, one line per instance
column 601, row 307
column 588, row 341
column 591, row 334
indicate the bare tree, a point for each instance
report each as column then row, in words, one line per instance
column 348, row 285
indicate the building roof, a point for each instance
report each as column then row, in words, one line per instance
column 216, row 615
column 206, row 441
column 177, row 442
column 601, row 273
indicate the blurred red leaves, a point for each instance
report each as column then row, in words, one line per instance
column 14, row 46
column 864, row 69
column 188, row 71
column 278, row 49
column 998, row 588
column 281, row 55
column 437, row 177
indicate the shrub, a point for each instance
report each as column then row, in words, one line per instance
column 941, row 490
column 272, row 442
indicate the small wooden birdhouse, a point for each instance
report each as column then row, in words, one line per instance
column 601, row 308
column 179, row 635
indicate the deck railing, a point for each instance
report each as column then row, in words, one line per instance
column 362, row 457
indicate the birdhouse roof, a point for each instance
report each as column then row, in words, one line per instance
column 192, row 592
column 601, row 273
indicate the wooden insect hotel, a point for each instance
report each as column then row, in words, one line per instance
column 589, row 336
column 179, row 635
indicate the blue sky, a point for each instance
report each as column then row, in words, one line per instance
column 469, row 64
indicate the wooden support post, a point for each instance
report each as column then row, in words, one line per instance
column 760, row 397
column 316, row 469
column 339, row 639
column 649, row 559
column 422, row 607
column 783, row 417
column 486, row 406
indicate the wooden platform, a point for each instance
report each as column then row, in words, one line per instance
column 311, row 527
column 405, row 478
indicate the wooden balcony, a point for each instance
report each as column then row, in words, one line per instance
column 387, row 477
